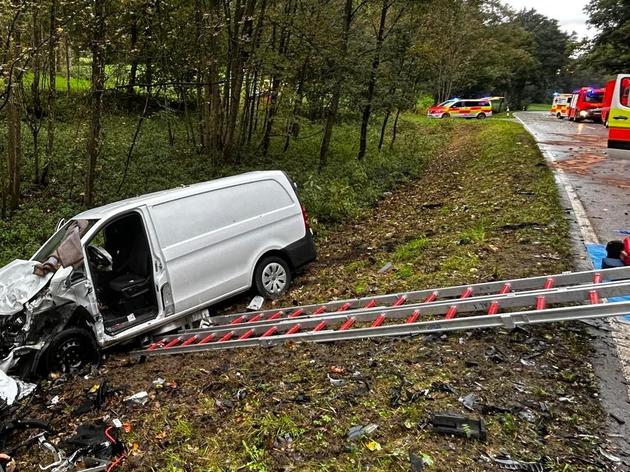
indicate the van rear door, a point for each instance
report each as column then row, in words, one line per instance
column 619, row 115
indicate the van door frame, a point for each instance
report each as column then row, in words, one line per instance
column 157, row 268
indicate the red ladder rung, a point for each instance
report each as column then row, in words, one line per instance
column 238, row 320
column 247, row 334
column 344, row 307
column 413, row 317
column 549, row 283
column 296, row 313
column 207, row 339
column 402, row 299
column 594, row 297
column 226, row 337
column 493, row 309
column 431, row 298
column 255, row 318
column 172, row 342
column 294, row 329
column 321, row 325
column 597, row 278
column 370, row 304
column 190, row 340
column 378, row 321
column 157, row 344
column 540, row 302
column 270, row 332
column 320, row 310
column 347, row 324
column 277, row 314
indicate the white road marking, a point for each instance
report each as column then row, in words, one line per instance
column 586, row 228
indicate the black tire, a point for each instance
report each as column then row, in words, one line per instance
column 559, row 116
column 272, row 277
column 445, row 115
column 481, row 116
column 70, row 351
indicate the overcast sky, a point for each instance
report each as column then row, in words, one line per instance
column 569, row 13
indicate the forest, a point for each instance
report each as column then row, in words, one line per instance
column 104, row 99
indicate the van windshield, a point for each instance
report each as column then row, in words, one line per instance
column 72, row 227
column 447, row 103
column 594, row 97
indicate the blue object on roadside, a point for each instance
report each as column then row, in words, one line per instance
column 597, row 253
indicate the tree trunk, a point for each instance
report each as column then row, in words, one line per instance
column 133, row 72
column 68, row 60
column 383, row 128
column 367, row 110
column 52, row 94
column 331, row 115
column 14, row 132
column 395, row 132
column 37, row 112
column 98, row 83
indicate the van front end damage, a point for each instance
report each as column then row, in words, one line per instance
column 34, row 310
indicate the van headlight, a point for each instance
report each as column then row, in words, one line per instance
column 583, row 113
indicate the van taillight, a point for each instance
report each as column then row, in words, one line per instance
column 305, row 217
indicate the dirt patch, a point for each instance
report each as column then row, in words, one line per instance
column 582, row 164
column 486, row 209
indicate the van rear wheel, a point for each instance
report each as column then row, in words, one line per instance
column 481, row 116
column 272, row 277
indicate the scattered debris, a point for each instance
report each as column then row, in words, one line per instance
column 386, row 268
column 373, row 446
column 13, row 389
column 256, row 303
column 449, row 423
column 527, row 415
column 507, row 463
column 336, row 382
column 609, row 456
column 418, row 462
column 359, row 431
column 139, row 398
column 468, row 401
column 159, row 382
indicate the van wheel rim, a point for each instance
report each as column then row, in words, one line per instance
column 274, row 278
column 69, row 355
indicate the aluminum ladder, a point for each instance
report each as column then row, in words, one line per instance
column 507, row 303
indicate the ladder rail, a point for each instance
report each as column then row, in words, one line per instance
column 288, row 327
column 508, row 320
column 484, row 288
column 505, row 300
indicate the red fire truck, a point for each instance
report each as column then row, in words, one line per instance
column 586, row 104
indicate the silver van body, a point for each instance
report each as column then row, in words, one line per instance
column 155, row 262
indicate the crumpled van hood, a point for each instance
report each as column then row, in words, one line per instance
column 18, row 285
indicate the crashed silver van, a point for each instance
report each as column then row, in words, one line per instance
column 149, row 264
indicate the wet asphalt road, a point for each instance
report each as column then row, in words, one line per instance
column 601, row 179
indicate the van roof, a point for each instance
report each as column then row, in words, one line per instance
column 112, row 209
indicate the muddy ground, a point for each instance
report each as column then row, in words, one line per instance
column 487, row 209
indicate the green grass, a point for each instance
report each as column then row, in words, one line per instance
column 538, row 107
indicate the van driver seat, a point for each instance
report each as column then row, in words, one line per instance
column 130, row 289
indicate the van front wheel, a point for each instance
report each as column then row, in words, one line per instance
column 272, row 277
column 70, row 351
